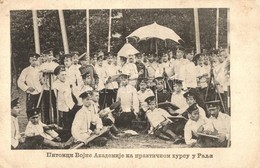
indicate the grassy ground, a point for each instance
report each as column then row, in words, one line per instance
column 140, row 141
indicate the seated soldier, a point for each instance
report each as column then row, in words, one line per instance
column 142, row 94
column 195, row 123
column 161, row 94
column 42, row 134
column 87, row 123
column 127, row 95
column 191, row 99
column 16, row 140
column 177, row 97
column 105, row 114
column 220, row 121
column 161, row 126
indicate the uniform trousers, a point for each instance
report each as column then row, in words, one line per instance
column 31, row 101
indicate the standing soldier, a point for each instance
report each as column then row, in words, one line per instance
column 161, row 94
column 111, row 85
column 127, row 95
column 165, row 68
column 142, row 71
column 48, row 97
column 151, row 66
column 101, row 84
column 30, row 82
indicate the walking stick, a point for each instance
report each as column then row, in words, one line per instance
column 92, row 137
column 50, row 100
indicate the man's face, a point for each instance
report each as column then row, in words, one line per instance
column 165, row 58
column 94, row 61
column 189, row 56
column 150, row 58
column 142, row 86
column 34, row 61
column 95, row 97
column 201, row 61
column 221, row 56
column 109, row 59
column 206, row 60
column 87, row 80
column 75, row 59
column 16, row 110
column 152, row 105
column 177, row 88
column 139, row 59
column 62, row 76
column 67, row 62
column 86, row 101
column 190, row 100
column 100, row 62
column 179, row 54
column 194, row 115
column 49, row 57
column 35, row 119
column 131, row 59
column 84, row 62
column 214, row 112
column 159, row 85
column 124, row 81
column 170, row 54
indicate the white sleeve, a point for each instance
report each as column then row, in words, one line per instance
column 188, row 135
column 135, row 100
column 76, row 129
column 21, row 81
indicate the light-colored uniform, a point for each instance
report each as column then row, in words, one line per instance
column 80, row 129
column 127, row 95
column 151, row 68
column 63, row 95
column 111, row 70
column 34, row 130
column 102, row 74
column 168, row 67
column 30, row 77
column 221, row 123
column 142, row 96
column 48, row 67
column 15, row 133
column 221, row 77
column 178, row 65
column 191, row 129
column 188, row 74
column 131, row 70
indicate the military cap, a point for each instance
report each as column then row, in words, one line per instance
column 178, row 81
column 58, row 69
column 49, row 51
column 33, row 112
column 189, row 93
column 124, row 76
column 144, row 81
column 67, row 55
column 115, row 105
column 149, row 99
column 14, row 102
column 100, row 53
column 212, row 104
column 100, row 57
column 189, row 50
column 180, row 48
column 192, row 108
column 83, row 70
column 34, row 55
column 86, row 94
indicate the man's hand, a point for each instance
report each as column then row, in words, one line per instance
column 22, row 140
column 97, row 131
column 222, row 138
column 30, row 89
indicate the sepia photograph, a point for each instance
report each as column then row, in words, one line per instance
column 120, row 78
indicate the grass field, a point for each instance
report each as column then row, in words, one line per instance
column 140, row 141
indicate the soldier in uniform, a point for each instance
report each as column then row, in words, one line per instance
column 111, row 86
column 191, row 98
column 63, row 92
column 127, row 95
column 220, row 121
column 142, row 72
column 47, row 69
column 30, row 82
column 161, row 94
column 151, row 66
column 87, row 122
column 178, row 98
column 101, row 71
column 142, row 94
column 195, row 123
column 161, row 126
column 16, row 138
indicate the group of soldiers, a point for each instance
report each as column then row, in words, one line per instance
column 181, row 97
